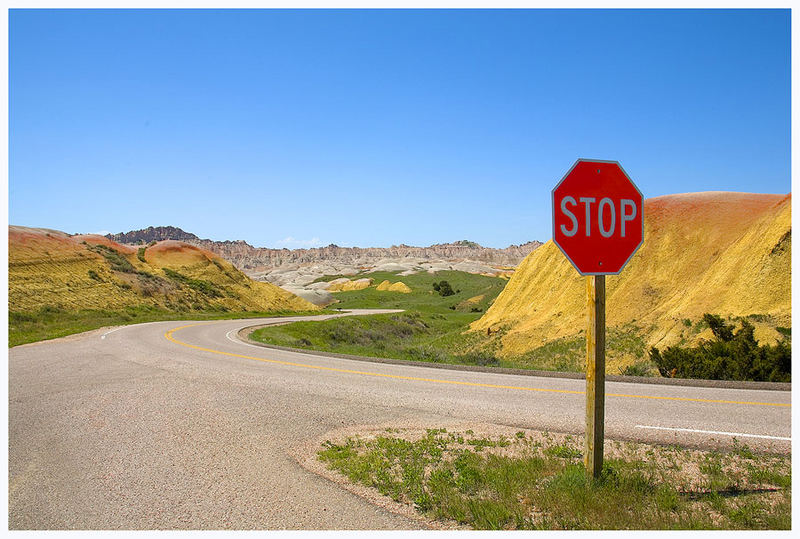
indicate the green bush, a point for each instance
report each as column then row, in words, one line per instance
column 444, row 288
column 731, row 355
column 140, row 254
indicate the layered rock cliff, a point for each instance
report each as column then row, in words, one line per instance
column 247, row 257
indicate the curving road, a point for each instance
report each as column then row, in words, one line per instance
column 182, row 425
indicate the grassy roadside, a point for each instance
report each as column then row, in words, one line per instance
column 434, row 327
column 51, row 323
column 431, row 328
column 536, row 480
column 409, row 335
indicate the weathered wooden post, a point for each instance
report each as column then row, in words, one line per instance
column 598, row 224
column 595, row 373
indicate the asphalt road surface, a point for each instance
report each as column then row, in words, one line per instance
column 182, row 425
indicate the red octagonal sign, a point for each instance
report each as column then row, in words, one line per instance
column 597, row 217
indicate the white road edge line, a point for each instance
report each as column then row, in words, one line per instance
column 736, row 434
column 103, row 336
column 239, row 341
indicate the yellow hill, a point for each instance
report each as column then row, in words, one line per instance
column 721, row 253
column 48, row 268
column 349, row 286
column 401, row 287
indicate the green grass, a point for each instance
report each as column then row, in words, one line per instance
column 434, row 328
column 51, row 323
column 410, row 335
column 431, row 328
column 116, row 260
column 204, row 287
column 539, row 482
column 569, row 353
column 564, row 354
column 423, row 297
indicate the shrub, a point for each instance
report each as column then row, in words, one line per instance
column 93, row 275
column 732, row 355
column 481, row 358
column 641, row 368
column 140, row 254
column 444, row 288
column 420, row 353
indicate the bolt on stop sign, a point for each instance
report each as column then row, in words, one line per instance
column 597, row 217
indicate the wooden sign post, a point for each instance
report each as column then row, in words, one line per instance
column 598, row 224
column 595, row 374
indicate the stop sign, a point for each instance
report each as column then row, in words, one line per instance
column 597, row 217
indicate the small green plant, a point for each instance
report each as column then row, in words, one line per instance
column 641, row 368
column 93, row 275
column 481, row 358
column 742, row 449
column 140, row 254
column 562, row 451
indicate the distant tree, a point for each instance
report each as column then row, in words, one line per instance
column 445, row 289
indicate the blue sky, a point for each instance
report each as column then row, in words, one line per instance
column 373, row 128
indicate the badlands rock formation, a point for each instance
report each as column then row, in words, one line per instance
column 51, row 269
column 295, row 270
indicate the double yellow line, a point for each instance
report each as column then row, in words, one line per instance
column 169, row 336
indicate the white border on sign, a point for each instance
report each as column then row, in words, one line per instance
column 553, row 206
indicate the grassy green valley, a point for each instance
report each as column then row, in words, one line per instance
column 431, row 328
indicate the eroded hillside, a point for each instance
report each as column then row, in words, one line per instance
column 51, row 269
column 716, row 252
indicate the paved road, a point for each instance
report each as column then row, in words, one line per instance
column 181, row 425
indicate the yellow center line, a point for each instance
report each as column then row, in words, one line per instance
column 169, row 337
